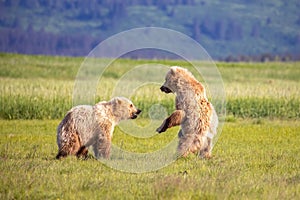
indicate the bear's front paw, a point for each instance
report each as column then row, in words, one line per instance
column 161, row 129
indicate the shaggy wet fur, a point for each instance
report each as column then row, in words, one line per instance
column 85, row 126
column 194, row 113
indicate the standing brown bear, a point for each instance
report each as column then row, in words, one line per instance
column 85, row 126
column 194, row 113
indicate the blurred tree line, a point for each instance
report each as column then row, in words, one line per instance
column 15, row 36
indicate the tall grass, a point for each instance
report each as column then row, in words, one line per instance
column 41, row 87
column 253, row 107
column 34, row 98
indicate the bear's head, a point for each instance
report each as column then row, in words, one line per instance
column 180, row 80
column 124, row 109
column 175, row 78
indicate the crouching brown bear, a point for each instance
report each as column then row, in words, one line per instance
column 85, row 126
column 194, row 113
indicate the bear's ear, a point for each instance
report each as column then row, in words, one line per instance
column 118, row 100
column 173, row 70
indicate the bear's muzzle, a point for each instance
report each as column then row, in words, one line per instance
column 134, row 115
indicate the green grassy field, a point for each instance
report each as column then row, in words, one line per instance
column 251, row 161
column 256, row 157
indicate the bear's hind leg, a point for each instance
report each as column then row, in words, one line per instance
column 70, row 146
column 205, row 151
column 82, row 152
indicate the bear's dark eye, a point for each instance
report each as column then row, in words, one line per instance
column 131, row 105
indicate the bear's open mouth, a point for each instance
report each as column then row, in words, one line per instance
column 134, row 115
column 165, row 89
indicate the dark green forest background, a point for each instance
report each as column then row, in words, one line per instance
column 229, row 30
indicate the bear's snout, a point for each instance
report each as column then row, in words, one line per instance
column 134, row 115
column 165, row 89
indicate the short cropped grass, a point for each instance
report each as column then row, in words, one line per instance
column 251, row 160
